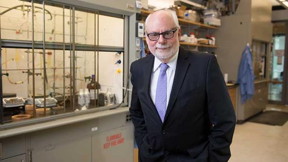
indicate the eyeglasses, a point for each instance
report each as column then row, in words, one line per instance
column 167, row 35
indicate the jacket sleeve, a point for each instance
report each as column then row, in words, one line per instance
column 136, row 111
column 221, row 114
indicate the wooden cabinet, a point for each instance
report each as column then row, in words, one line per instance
column 233, row 95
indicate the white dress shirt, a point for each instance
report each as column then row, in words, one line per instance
column 170, row 72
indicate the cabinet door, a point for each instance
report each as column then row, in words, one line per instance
column 12, row 146
column 70, row 143
column 233, row 92
column 258, row 101
column 19, row 158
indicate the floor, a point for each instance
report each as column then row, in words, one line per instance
column 254, row 142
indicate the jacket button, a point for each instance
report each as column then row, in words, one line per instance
column 163, row 132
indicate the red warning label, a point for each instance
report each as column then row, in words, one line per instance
column 113, row 140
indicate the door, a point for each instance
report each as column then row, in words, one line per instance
column 277, row 82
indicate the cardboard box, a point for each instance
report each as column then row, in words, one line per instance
column 180, row 11
column 191, row 15
column 212, row 21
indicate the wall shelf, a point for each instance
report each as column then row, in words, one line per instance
column 190, row 4
column 184, row 21
column 198, row 45
column 145, row 12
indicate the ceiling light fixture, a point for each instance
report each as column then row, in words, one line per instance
column 286, row 3
column 283, row 3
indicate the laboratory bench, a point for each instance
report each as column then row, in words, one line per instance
column 96, row 136
column 252, row 106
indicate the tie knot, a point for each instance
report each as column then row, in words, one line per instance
column 163, row 67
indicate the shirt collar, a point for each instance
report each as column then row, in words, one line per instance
column 172, row 62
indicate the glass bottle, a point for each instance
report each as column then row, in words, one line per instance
column 92, row 87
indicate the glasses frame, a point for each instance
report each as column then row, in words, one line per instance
column 163, row 34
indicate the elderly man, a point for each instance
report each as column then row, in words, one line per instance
column 180, row 106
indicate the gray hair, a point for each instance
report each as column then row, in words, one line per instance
column 171, row 13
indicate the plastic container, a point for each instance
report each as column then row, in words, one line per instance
column 81, row 98
column 87, row 97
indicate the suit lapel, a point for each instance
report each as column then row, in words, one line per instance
column 147, row 81
column 180, row 73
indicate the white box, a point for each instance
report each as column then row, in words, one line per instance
column 212, row 21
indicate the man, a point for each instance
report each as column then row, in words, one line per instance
column 180, row 106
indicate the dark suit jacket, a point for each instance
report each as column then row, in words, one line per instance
column 199, row 121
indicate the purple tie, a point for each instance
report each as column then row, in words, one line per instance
column 161, row 91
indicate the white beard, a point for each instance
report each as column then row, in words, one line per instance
column 167, row 53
